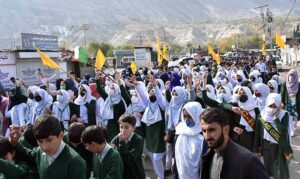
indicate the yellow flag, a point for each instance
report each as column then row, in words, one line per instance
column 165, row 52
column 133, row 67
column 47, row 60
column 263, row 48
column 215, row 56
column 159, row 54
column 100, row 59
column 279, row 41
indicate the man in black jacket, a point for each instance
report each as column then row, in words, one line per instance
column 226, row 159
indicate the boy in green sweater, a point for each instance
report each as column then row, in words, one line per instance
column 130, row 147
column 107, row 162
column 53, row 157
column 9, row 168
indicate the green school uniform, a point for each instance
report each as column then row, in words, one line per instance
column 273, row 154
column 118, row 110
column 131, row 153
column 13, row 171
column 67, row 165
column 110, row 167
column 155, row 136
column 91, row 110
column 85, row 154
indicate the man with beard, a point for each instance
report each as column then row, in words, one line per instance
column 226, row 159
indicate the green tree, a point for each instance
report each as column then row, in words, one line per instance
column 105, row 48
column 175, row 49
column 125, row 47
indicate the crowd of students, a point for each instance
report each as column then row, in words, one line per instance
column 105, row 126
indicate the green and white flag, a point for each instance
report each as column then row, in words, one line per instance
column 80, row 55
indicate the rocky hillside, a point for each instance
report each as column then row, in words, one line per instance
column 123, row 21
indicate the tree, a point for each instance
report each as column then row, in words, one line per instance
column 125, row 47
column 175, row 49
column 105, row 48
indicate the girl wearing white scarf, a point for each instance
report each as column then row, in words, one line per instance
column 254, row 77
column 273, row 86
column 189, row 143
column 42, row 105
column 261, row 92
column 85, row 100
column 224, row 94
column 245, row 131
column 30, row 102
column 178, row 99
column 211, row 93
column 136, row 108
column 114, row 104
column 155, row 124
column 276, row 151
column 61, row 109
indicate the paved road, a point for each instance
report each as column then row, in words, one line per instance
column 295, row 163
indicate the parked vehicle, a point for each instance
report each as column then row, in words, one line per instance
column 127, row 60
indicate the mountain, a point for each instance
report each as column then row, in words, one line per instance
column 123, row 21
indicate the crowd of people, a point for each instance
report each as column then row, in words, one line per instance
column 233, row 120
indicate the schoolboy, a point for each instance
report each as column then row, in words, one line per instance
column 107, row 162
column 53, row 157
column 130, row 147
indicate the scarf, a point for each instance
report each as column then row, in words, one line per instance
column 175, row 106
column 249, row 106
column 264, row 90
column 292, row 82
column 111, row 100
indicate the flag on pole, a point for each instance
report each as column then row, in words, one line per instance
column 165, row 52
column 81, row 55
column 215, row 56
column 47, row 60
column 279, row 41
column 263, row 48
column 100, row 59
column 133, row 67
column 159, row 54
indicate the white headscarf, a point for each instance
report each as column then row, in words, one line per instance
column 66, row 100
column 175, row 106
column 39, row 107
column 273, row 98
column 264, row 90
column 275, row 86
column 255, row 73
column 189, row 143
column 61, row 110
column 111, row 100
column 249, row 106
column 212, row 93
column 242, row 75
column 79, row 100
column 224, row 97
column 235, row 95
column 32, row 89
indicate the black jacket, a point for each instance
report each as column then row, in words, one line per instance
column 239, row 163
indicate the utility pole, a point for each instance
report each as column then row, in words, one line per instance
column 270, row 20
column 67, row 37
column 84, row 27
column 262, row 15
